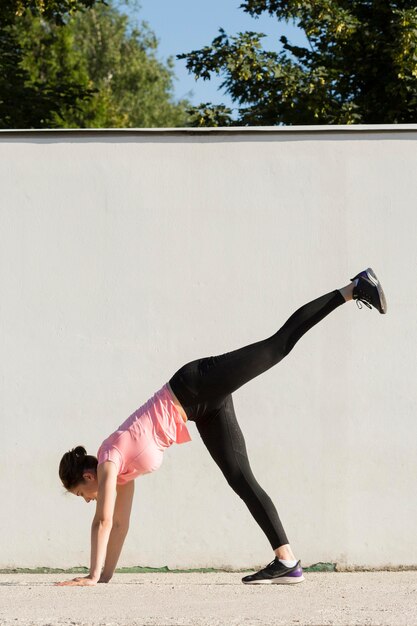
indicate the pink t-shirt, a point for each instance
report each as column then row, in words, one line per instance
column 137, row 446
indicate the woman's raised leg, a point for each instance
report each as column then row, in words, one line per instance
column 210, row 380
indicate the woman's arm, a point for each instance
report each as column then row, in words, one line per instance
column 102, row 523
column 103, row 519
column 120, row 528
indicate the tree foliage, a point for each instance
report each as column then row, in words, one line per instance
column 56, row 10
column 24, row 104
column 360, row 65
column 87, row 69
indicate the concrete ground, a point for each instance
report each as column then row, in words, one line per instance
column 212, row 599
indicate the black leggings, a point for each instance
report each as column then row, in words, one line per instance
column 204, row 388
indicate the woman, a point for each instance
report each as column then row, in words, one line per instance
column 201, row 392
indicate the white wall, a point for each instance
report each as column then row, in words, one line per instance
column 126, row 254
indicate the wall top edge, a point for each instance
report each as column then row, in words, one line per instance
column 227, row 130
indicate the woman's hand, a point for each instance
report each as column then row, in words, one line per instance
column 86, row 581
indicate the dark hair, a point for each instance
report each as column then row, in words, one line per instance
column 73, row 464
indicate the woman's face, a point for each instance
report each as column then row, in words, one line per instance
column 88, row 488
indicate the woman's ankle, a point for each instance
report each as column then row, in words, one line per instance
column 347, row 292
column 285, row 552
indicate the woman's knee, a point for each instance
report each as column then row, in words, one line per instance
column 238, row 481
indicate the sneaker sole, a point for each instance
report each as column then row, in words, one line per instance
column 373, row 278
column 281, row 580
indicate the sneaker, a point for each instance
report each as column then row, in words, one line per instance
column 369, row 291
column 276, row 573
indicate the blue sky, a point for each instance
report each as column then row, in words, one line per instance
column 185, row 25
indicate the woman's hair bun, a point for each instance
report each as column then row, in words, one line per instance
column 79, row 451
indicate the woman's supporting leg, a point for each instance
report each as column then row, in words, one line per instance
column 222, row 436
column 210, row 380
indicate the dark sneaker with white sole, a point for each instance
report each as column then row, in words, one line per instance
column 276, row 573
column 369, row 291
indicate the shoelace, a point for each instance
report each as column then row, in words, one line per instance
column 359, row 303
column 274, row 562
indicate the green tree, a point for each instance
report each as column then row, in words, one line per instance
column 360, row 66
column 107, row 67
column 55, row 10
column 99, row 50
column 24, row 104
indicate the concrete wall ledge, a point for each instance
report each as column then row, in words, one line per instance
column 228, row 130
